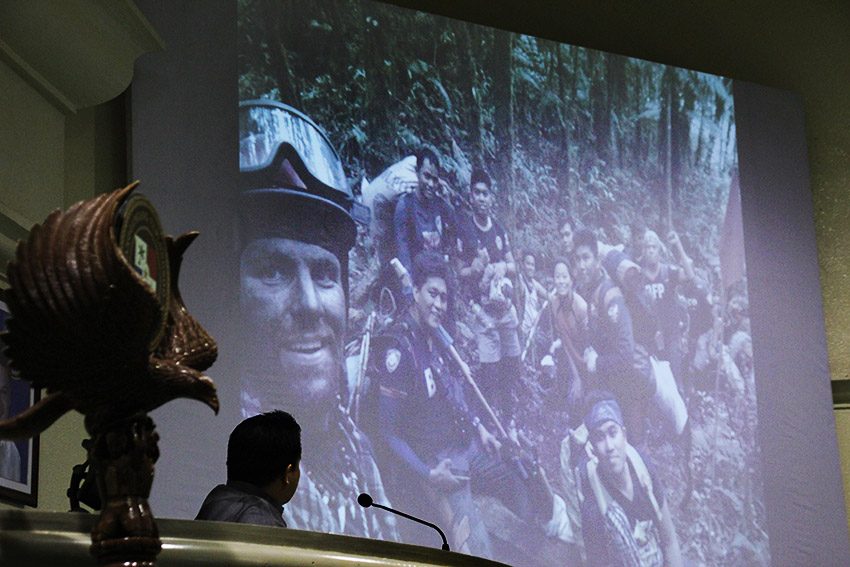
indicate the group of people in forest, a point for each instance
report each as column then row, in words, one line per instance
column 602, row 335
column 441, row 429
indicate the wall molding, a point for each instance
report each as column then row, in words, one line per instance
column 75, row 53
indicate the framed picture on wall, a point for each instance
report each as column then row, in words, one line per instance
column 18, row 459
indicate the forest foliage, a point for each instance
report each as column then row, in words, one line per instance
column 616, row 143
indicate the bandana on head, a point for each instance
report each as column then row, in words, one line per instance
column 602, row 411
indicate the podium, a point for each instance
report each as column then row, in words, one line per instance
column 30, row 538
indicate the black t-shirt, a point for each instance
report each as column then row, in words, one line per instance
column 640, row 507
column 471, row 239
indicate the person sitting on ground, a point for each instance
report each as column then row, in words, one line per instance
column 531, row 295
column 625, row 514
column 263, row 458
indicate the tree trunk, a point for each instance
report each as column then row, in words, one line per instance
column 469, row 77
column 564, row 104
column 279, row 68
column 667, row 148
column 503, row 101
column 616, row 83
column 600, row 113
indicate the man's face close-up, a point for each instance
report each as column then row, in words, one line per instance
column 609, row 445
column 482, row 199
column 529, row 266
column 563, row 281
column 651, row 250
column 567, row 237
column 432, row 300
column 429, row 180
column 293, row 306
column 587, row 264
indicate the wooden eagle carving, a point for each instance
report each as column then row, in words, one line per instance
column 95, row 332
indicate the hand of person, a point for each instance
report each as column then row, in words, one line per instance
column 489, row 440
column 485, row 255
column 445, row 189
column 590, row 356
column 442, row 475
column 673, row 239
column 556, row 344
column 487, row 275
column 481, row 261
column 432, row 239
column 477, row 264
column 500, row 269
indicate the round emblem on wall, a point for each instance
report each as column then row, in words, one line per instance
column 142, row 242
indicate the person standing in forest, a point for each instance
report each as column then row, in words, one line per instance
column 424, row 220
column 625, row 516
column 568, row 319
column 611, row 361
column 486, row 262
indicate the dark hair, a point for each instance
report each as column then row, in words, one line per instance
column 584, row 237
column 480, row 176
column 564, row 218
column 593, row 397
column 261, row 447
column 564, row 261
column 430, row 264
column 424, row 153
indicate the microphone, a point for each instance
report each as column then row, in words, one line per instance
column 366, row 501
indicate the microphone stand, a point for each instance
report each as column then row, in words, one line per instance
column 366, row 501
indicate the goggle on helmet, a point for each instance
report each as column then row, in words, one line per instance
column 283, row 152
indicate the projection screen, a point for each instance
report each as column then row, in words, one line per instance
column 640, row 231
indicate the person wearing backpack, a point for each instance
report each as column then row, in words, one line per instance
column 613, row 361
column 423, row 220
column 661, row 283
column 625, row 516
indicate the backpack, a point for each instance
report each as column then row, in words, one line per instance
column 382, row 196
column 383, row 226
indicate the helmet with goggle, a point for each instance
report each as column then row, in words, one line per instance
column 291, row 178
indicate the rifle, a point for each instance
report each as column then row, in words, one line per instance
column 539, row 482
column 380, row 319
column 448, row 342
column 353, row 408
column 515, row 459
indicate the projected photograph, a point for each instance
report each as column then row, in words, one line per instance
column 500, row 282
column 18, row 459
